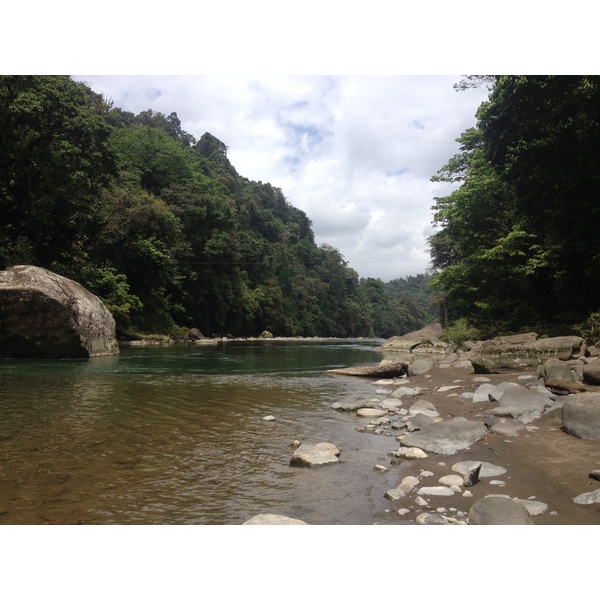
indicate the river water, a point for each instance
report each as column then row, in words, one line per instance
column 175, row 435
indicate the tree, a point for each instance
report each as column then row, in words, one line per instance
column 55, row 157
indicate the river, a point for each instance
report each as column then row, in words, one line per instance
column 175, row 435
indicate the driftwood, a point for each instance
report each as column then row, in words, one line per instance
column 397, row 369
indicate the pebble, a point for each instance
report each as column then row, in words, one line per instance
column 380, row 468
column 497, row 482
column 451, row 480
column 269, row 418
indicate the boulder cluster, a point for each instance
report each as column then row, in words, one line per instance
column 546, row 381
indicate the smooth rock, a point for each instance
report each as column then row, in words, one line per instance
column 271, row 519
column 440, row 490
column 588, row 497
column 447, row 437
column 350, row 405
column 45, row 315
column 486, row 469
column 581, row 416
column 451, row 480
column 269, row 418
column 370, row 412
column 510, row 428
column 410, row 453
column 405, row 391
column 533, row 507
column 423, row 407
column 310, row 455
column 482, row 393
column 494, row 510
column 420, row 366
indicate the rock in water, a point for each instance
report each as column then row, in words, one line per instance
column 45, row 315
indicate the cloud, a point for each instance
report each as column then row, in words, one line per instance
column 355, row 153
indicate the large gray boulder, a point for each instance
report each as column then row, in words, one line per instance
column 425, row 340
column 581, row 416
column 591, row 372
column 45, row 315
column 524, row 351
column 497, row 510
column 447, row 437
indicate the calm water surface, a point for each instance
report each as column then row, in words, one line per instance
column 175, row 435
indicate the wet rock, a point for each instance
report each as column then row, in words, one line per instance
column 410, row 453
column 271, row 519
column 581, row 416
column 45, row 315
column 447, row 437
column 405, row 391
column 350, row 405
column 495, row 510
column 311, row 455
column 269, row 418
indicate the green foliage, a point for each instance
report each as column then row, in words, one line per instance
column 461, row 331
column 516, row 241
column 166, row 232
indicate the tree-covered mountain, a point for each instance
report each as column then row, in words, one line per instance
column 163, row 228
column 517, row 245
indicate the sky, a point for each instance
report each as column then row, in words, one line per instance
column 355, row 153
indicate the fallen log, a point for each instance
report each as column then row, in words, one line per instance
column 397, row 369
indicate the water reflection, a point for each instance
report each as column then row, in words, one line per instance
column 176, row 435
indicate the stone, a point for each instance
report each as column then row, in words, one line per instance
column 595, row 474
column 554, row 369
column 471, row 476
column 431, row 519
column 350, row 405
column 423, row 407
column 508, row 428
column 482, row 393
column 405, row 391
column 588, row 497
column 195, row 334
column 380, row 468
column 394, row 494
column 271, row 519
column 439, row 490
column 423, row 340
column 310, row 455
column 451, row 480
column 269, row 418
column 581, row 416
column 486, row 469
column 447, row 437
column 45, row 315
column 533, row 507
column 591, row 372
column 266, row 335
column 521, row 352
column 499, row 390
column 420, row 366
column 496, row 510
column 410, row 453
column 521, row 400
column 390, row 404
column 418, row 421
column 371, row 412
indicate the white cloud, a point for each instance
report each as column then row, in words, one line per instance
column 355, row 153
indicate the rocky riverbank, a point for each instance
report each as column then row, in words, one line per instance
column 507, row 447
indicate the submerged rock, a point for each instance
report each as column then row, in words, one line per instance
column 45, row 315
column 271, row 519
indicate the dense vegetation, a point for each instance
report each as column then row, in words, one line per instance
column 162, row 227
column 517, row 246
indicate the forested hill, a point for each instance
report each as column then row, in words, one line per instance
column 518, row 241
column 163, row 228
